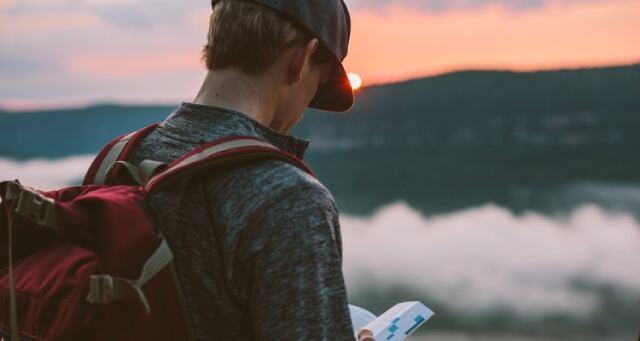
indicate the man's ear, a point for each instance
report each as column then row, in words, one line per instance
column 301, row 58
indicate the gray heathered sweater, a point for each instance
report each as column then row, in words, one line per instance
column 257, row 246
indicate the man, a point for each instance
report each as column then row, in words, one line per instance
column 257, row 247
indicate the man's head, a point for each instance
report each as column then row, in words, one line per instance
column 251, row 37
column 255, row 35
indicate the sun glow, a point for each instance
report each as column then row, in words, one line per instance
column 355, row 80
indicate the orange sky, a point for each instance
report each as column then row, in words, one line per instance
column 405, row 43
column 59, row 52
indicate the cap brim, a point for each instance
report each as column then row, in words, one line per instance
column 335, row 94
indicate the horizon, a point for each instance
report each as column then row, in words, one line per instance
column 18, row 107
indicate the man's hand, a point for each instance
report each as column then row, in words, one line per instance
column 365, row 335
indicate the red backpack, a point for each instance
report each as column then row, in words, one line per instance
column 86, row 263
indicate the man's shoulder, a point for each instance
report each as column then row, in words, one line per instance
column 271, row 183
column 273, row 202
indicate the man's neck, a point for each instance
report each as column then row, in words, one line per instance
column 233, row 90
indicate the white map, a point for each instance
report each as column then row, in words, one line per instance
column 394, row 324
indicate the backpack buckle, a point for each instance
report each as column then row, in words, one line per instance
column 101, row 289
column 105, row 289
column 35, row 206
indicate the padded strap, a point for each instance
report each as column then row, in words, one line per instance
column 222, row 147
column 106, row 288
column 118, row 150
column 142, row 173
column 110, row 159
column 133, row 171
column 148, row 168
column 221, row 152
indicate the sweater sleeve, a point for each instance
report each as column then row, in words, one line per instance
column 297, row 287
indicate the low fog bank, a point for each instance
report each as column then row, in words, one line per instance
column 46, row 174
column 486, row 269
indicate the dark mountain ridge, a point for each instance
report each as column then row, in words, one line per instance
column 547, row 108
column 567, row 107
column 440, row 143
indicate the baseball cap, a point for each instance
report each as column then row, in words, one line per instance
column 329, row 21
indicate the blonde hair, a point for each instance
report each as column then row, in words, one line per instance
column 251, row 37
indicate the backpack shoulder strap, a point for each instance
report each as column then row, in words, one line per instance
column 219, row 153
column 119, row 149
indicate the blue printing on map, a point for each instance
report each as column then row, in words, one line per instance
column 419, row 319
column 392, row 328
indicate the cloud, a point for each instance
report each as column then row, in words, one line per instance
column 46, row 174
column 57, row 51
column 133, row 14
column 11, row 66
column 7, row 4
column 127, row 65
column 450, row 5
column 486, row 259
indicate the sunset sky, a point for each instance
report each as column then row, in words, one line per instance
column 74, row 52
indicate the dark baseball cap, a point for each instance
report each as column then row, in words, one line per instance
column 329, row 21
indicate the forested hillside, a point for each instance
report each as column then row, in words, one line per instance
column 440, row 143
